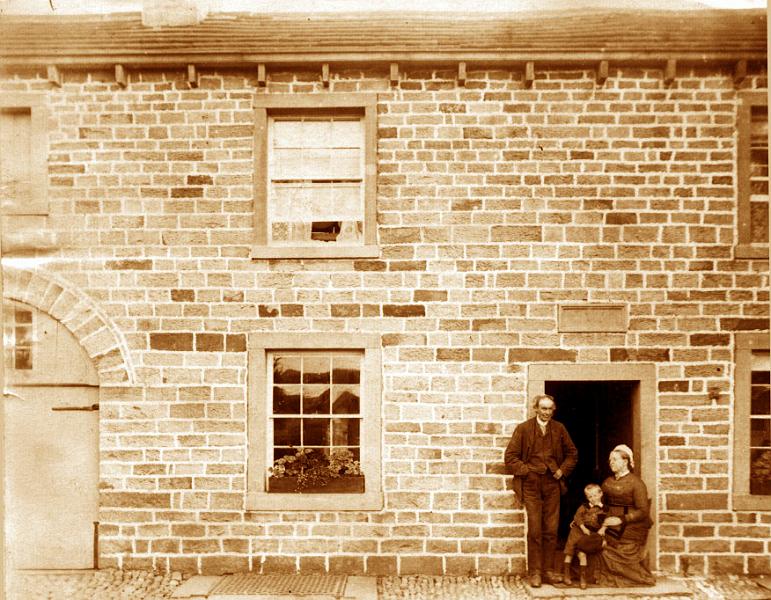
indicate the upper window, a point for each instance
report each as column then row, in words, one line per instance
column 752, row 436
column 314, row 410
column 753, row 176
column 23, row 155
column 315, row 176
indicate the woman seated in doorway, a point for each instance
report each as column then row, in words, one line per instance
column 622, row 561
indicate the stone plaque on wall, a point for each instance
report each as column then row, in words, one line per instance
column 592, row 318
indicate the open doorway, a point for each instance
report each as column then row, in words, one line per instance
column 603, row 405
column 598, row 416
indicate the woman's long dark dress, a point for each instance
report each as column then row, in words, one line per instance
column 621, row 562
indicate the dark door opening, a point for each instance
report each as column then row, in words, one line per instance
column 598, row 415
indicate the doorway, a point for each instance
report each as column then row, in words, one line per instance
column 602, row 405
column 598, row 416
column 51, row 450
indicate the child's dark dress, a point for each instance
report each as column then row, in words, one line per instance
column 589, row 516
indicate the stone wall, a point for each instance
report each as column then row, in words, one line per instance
column 496, row 203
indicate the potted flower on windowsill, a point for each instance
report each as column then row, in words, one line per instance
column 311, row 471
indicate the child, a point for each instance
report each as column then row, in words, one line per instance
column 588, row 521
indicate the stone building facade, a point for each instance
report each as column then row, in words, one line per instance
column 583, row 214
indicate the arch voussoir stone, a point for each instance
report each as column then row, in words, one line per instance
column 79, row 313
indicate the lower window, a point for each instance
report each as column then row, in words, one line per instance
column 314, row 422
column 752, row 438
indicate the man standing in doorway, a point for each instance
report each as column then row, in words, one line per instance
column 540, row 455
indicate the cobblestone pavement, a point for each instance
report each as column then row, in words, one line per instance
column 110, row 584
column 513, row 588
column 106, row 584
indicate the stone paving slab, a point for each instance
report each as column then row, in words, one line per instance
column 202, row 587
column 196, row 587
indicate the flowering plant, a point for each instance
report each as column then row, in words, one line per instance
column 312, row 467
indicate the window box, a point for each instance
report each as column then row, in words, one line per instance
column 353, row 484
column 315, row 172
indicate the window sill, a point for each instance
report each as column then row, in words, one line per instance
column 314, row 252
column 751, row 251
column 265, row 501
column 750, row 502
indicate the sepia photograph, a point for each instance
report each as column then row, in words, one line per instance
column 386, row 300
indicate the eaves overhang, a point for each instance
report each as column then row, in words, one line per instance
column 628, row 37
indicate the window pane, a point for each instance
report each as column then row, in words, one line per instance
column 346, row 369
column 316, row 369
column 759, row 175
column 282, row 452
column 760, row 432
column 286, row 432
column 288, row 202
column 287, row 133
column 316, row 400
column 761, row 400
column 317, row 134
column 23, row 359
column 23, row 316
column 326, row 164
column 316, row 432
column 346, row 400
column 286, row 399
column 760, row 472
column 286, row 163
column 759, row 218
column 760, row 377
column 348, row 134
column 24, row 336
column 345, row 432
column 286, row 369
column 761, row 361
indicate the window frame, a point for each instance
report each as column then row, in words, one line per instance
column 35, row 102
column 260, row 345
column 745, row 343
column 744, row 247
column 266, row 105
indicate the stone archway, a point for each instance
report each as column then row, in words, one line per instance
column 93, row 329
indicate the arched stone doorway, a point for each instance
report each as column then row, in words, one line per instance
column 51, row 411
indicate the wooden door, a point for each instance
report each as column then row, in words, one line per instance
column 51, row 448
column 52, row 473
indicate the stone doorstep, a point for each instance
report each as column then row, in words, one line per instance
column 199, row 587
column 663, row 588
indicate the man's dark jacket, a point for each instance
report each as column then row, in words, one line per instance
column 521, row 445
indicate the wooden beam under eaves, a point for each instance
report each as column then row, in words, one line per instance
column 54, row 75
column 462, row 73
column 262, row 80
column 529, row 73
column 325, row 75
column 120, row 76
column 394, row 73
column 602, row 72
column 740, row 71
column 192, row 76
column 670, row 71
